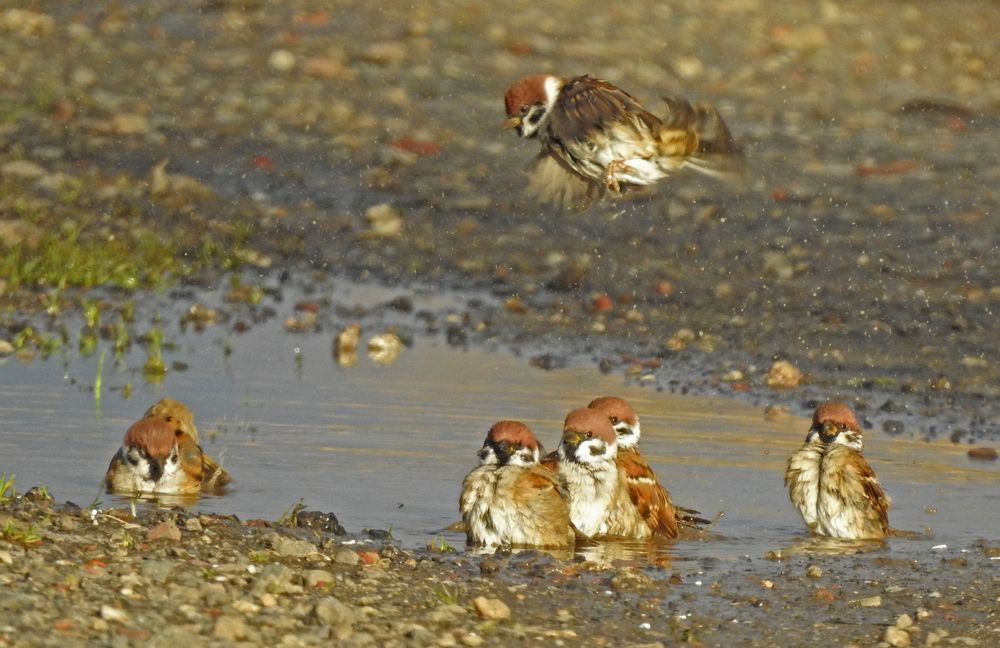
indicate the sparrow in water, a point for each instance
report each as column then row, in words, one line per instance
column 160, row 454
column 599, row 501
column 509, row 499
column 649, row 496
column 831, row 484
column 596, row 137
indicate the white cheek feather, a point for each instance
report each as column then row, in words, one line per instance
column 524, row 458
column 487, row 456
column 553, row 85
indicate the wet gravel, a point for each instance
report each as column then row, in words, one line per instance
column 78, row 576
column 363, row 140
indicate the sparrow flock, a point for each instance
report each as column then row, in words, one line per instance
column 595, row 485
column 596, row 138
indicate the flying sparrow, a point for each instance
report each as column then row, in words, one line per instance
column 509, row 499
column 599, row 501
column 596, row 137
column 160, row 454
column 831, row 484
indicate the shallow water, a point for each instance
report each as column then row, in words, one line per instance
column 386, row 446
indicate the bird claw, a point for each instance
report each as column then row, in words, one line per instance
column 615, row 167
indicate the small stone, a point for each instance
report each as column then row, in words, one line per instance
column 491, row 608
column 871, row 601
column 386, row 53
column 281, row 60
column 166, row 530
column 896, row 637
column 268, row 600
column 276, row 579
column 903, row 621
column 384, row 220
column 446, row 613
column 22, row 169
column 983, row 454
column 346, row 556
column 813, row 571
column 246, row 606
column 6, row 348
column 318, row 578
column 156, row 571
column 332, row 612
column 230, row 628
column 292, row 548
column 472, row 639
column 784, row 375
column 193, row 525
column 109, row 613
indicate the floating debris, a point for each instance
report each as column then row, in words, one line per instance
column 345, row 345
column 385, row 348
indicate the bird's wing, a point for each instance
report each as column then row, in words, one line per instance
column 648, row 495
column 551, row 181
column 878, row 501
column 586, row 104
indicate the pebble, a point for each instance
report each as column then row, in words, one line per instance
column 290, row 547
column 871, row 601
column 166, row 530
column 491, row 608
column 983, row 454
column 22, row 170
column 784, row 375
column 281, row 60
column 230, row 628
column 346, row 556
column 384, row 220
column 814, row 571
column 318, row 578
column 904, row 621
column 896, row 637
column 332, row 612
column 109, row 613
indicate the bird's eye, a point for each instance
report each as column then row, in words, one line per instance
column 524, row 109
column 615, row 420
column 590, row 435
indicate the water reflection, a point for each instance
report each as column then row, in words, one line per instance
column 386, row 446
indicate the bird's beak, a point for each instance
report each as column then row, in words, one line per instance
column 511, row 122
column 571, row 437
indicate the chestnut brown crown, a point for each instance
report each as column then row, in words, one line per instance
column 589, row 423
column 835, row 412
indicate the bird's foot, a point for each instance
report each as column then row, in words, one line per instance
column 616, row 166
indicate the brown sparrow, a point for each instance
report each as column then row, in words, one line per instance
column 831, row 484
column 599, row 501
column 596, row 137
column 160, row 454
column 645, row 490
column 509, row 499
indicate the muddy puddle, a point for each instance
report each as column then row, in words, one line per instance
column 385, row 446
